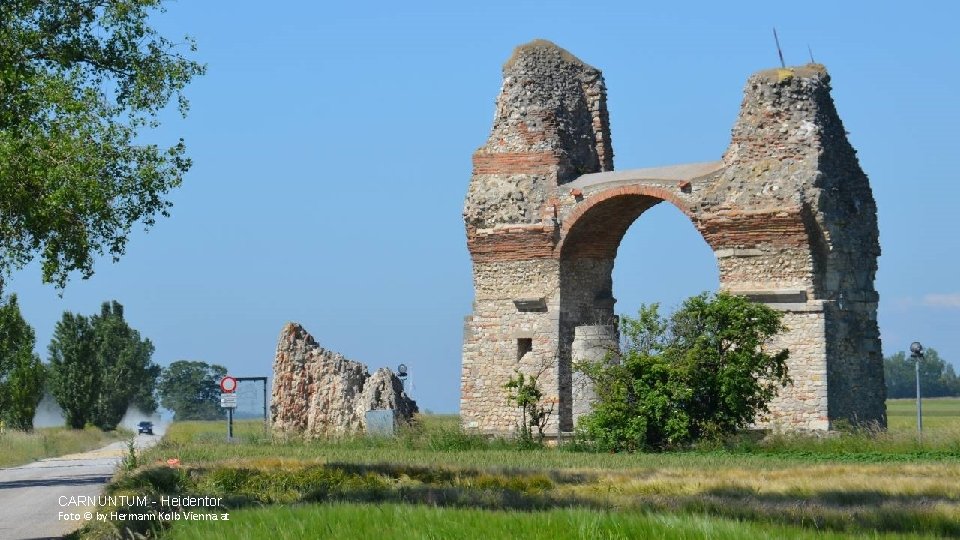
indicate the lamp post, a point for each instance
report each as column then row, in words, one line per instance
column 916, row 352
column 402, row 375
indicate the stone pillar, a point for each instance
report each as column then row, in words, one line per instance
column 594, row 343
column 794, row 210
column 550, row 126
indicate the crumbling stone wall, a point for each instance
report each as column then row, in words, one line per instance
column 318, row 392
column 790, row 160
column 550, row 127
column 787, row 211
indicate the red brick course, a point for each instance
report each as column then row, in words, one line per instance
column 514, row 163
column 781, row 227
column 596, row 226
column 512, row 243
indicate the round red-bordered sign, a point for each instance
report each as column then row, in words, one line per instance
column 228, row 385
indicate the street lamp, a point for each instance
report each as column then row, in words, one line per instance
column 916, row 352
column 402, row 375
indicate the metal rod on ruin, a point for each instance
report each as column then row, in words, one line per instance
column 779, row 52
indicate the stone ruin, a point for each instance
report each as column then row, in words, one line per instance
column 787, row 211
column 319, row 393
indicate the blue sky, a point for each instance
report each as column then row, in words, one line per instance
column 332, row 141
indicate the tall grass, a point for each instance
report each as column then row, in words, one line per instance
column 18, row 447
column 395, row 522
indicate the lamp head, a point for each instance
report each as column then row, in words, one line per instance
column 916, row 348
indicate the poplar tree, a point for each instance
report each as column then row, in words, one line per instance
column 100, row 366
column 21, row 372
column 74, row 374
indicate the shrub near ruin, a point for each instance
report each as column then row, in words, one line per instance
column 700, row 374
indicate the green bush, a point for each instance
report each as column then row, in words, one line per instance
column 700, row 374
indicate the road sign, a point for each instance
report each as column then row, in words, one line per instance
column 380, row 423
column 228, row 401
column 228, row 384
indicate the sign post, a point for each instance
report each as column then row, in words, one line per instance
column 266, row 421
column 228, row 400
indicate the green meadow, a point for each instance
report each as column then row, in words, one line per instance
column 939, row 415
column 434, row 481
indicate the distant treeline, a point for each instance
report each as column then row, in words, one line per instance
column 98, row 367
column 937, row 377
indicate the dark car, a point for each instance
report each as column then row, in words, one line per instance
column 145, row 427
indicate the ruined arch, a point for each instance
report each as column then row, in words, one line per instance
column 787, row 211
column 590, row 238
column 596, row 227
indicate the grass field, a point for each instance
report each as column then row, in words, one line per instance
column 939, row 414
column 451, row 485
column 396, row 522
column 18, row 447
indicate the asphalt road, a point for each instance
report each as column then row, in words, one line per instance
column 30, row 495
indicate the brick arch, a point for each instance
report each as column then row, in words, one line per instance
column 596, row 226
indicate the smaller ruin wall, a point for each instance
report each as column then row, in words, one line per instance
column 320, row 393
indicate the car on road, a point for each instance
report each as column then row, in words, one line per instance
column 145, row 427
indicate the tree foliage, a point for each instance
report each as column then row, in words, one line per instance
column 191, row 389
column 701, row 373
column 74, row 375
column 127, row 374
column 937, row 377
column 100, row 366
column 21, row 372
column 79, row 83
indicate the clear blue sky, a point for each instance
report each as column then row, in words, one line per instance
column 332, row 141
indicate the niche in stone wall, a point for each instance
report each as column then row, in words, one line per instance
column 524, row 345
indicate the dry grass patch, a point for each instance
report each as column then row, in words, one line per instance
column 18, row 447
column 932, row 480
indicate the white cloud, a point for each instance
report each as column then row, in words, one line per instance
column 950, row 300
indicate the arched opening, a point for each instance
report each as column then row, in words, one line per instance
column 662, row 258
column 665, row 254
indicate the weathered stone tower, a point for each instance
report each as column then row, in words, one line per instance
column 787, row 211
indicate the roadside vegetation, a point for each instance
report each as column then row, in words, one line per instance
column 19, row 447
column 22, row 376
column 465, row 486
column 84, row 85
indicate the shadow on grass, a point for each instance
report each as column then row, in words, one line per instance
column 836, row 498
column 841, row 511
column 542, row 479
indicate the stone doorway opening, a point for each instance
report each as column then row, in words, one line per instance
column 589, row 320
